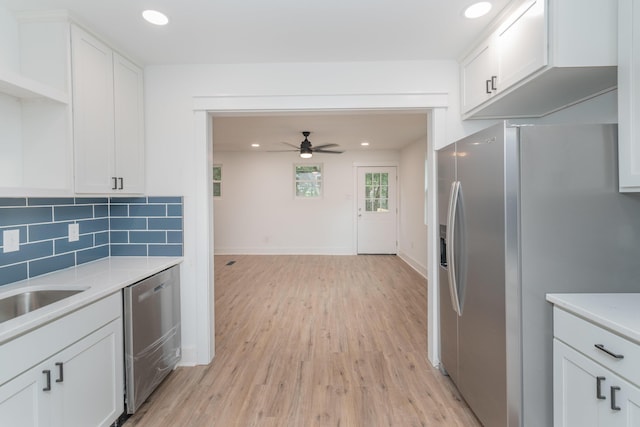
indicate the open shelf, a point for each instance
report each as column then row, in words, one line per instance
column 24, row 88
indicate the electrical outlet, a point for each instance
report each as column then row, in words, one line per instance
column 74, row 232
column 11, row 239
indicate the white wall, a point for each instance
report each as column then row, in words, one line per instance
column 174, row 159
column 9, row 41
column 258, row 213
column 413, row 229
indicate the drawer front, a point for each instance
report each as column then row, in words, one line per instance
column 21, row 353
column 584, row 336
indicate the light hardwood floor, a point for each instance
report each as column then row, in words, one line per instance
column 313, row 341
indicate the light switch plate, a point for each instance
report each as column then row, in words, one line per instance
column 11, row 239
column 74, row 232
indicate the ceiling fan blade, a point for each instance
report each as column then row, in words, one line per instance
column 315, row 150
column 282, row 151
column 297, row 147
column 320, row 147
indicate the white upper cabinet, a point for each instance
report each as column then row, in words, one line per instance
column 629, row 95
column 129, row 124
column 479, row 75
column 107, row 118
column 36, row 146
column 521, row 44
column 544, row 56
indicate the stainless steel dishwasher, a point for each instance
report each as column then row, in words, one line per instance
column 151, row 334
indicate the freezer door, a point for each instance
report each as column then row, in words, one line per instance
column 481, row 327
column 448, row 316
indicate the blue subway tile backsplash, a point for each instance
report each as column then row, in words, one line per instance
column 116, row 226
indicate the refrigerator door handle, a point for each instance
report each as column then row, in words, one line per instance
column 451, row 229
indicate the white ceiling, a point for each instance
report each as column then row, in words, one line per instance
column 256, row 31
column 383, row 131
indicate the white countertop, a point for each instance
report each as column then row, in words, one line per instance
column 619, row 313
column 100, row 278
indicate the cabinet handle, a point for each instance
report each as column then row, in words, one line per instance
column 613, row 398
column 121, row 183
column 599, row 388
column 115, row 183
column 47, row 374
column 487, row 86
column 609, row 352
column 60, row 372
column 494, row 84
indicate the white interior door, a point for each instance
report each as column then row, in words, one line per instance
column 377, row 210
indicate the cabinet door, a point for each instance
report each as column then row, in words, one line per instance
column 575, row 381
column 629, row 95
column 587, row 394
column 522, row 44
column 129, row 124
column 93, row 134
column 92, row 391
column 479, row 75
column 23, row 402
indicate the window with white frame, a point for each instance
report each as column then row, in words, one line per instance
column 308, row 181
column 217, row 180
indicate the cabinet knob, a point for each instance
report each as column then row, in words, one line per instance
column 115, row 183
column 494, row 83
column 121, row 186
column 487, row 86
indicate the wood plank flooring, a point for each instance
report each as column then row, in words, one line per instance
column 313, row 341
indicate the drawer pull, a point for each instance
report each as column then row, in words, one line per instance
column 47, row 374
column 613, row 398
column 60, row 372
column 599, row 388
column 610, row 353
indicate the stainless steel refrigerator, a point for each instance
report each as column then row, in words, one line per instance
column 525, row 211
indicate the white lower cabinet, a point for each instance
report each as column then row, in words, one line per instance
column 594, row 375
column 587, row 394
column 80, row 385
column 90, row 394
column 22, row 401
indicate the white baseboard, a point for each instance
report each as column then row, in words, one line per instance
column 282, row 251
column 189, row 357
column 420, row 268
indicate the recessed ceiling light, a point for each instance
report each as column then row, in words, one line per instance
column 255, row 145
column 155, row 17
column 477, row 10
column 364, row 143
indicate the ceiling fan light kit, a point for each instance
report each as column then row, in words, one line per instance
column 306, row 149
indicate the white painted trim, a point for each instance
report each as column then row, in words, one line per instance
column 288, row 103
column 418, row 267
column 221, row 105
column 189, row 357
column 436, row 135
column 205, row 305
column 282, row 251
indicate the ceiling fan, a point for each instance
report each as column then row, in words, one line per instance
column 307, row 150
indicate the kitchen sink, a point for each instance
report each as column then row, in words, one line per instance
column 27, row 301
